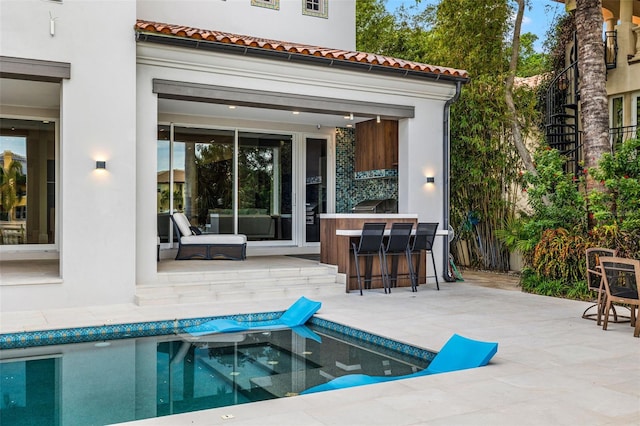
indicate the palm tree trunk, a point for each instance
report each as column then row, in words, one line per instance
column 593, row 92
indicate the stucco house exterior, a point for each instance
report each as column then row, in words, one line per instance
column 252, row 115
column 621, row 37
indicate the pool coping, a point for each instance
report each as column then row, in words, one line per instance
column 27, row 339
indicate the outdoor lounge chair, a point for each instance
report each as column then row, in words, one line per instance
column 195, row 245
column 621, row 277
column 296, row 315
column 459, row 353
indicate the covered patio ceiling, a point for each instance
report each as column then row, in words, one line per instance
column 203, row 109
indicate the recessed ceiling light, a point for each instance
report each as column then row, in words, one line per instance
column 346, row 117
column 296, row 112
column 349, row 125
column 232, row 107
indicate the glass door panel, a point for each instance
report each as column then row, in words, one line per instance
column 163, row 184
column 265, row 186
column 316, row 187
column 203, row 177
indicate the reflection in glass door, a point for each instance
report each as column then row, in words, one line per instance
column 264, row 186
column 27, row 182
column 316, row 187
column 226, row 182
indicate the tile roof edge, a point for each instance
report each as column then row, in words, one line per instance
column 262, row 44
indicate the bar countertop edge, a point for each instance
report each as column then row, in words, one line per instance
column 380, row 216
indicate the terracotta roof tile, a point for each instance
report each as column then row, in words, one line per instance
column 302, row 49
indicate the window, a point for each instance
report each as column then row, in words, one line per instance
column 27, row 179
column 269, row 4
column 317, row 8
column 616, row 117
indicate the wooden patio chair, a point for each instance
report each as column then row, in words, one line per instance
column 620, row 278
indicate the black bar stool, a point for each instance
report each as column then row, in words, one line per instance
column 370, row 245
column 425, row 235
column 397, row 245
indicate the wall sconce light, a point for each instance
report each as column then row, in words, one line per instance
column 431, row 179
column 101, row 165
column 378, row 119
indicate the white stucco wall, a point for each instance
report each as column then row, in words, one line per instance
column 240, row 17
column 420, row 138
column 96, row 210
column 107, row 232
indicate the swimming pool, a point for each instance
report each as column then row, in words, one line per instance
column 100, row 375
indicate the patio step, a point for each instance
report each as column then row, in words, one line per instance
column 199, row 287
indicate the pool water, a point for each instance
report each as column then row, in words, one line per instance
column 111, row 381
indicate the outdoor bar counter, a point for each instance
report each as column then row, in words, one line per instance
column 338, row 231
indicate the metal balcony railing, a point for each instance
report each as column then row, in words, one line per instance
column 617, row 135
column 610, row 49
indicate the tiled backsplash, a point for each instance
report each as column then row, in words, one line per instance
column 370, row 185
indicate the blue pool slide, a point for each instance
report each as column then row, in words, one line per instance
column 459, row 353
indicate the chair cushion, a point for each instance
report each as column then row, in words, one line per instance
column 227, row 239
column 183, row 223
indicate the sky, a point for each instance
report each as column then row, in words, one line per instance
column 537, row 18
column 14, row 144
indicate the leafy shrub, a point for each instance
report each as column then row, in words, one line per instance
column 554, row 237
column 531, row 282
column 560, row 256
column 619, row 173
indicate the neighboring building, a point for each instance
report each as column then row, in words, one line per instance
column 247, row 124
column 621, row 24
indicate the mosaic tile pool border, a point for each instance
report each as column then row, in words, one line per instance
column 165, row 327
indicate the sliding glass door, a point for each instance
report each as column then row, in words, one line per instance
column 226, row 181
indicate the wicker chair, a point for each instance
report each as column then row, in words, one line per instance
column 195, row 245
column 620, row 279
column 594, row 281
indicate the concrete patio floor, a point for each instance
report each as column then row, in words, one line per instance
column 552, row 366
